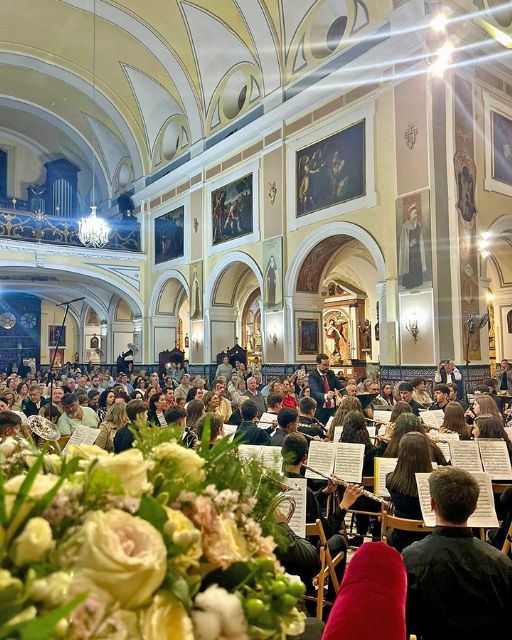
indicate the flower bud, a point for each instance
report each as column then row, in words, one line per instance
column 33, row 542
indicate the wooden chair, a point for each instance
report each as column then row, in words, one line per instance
column 508, row 541
column 328, row 566
column 402, row 524
column 500, row 487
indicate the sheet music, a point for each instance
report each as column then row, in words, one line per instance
column 337, row 432
column 433, row 419
column 250, row 451
column 82, row 435
column 447, row 437
column 382, row 416
column 348, row 463
column 495, row 459
column 298, row 521
column 508, row 431
column 465, row 454
column 383, row 466
column 372, row 431
column 229, row 430
column 271, row 458
column 329, row 423
column 269, row 418
column 429, row 517
column 321, row 457
column 445, row 449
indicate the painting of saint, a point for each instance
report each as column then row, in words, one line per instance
column 413, row 240
column 466, row 194
column 335, row 337
column 501, row 148
column 196, row 291
column 53, row 335
column 273, row 275
column 169, row 235
column 308, row 337
column 331, row 171
column 232, row 210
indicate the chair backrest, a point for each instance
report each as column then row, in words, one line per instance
column 499, row 488
column 368, row 482
column 402, row 524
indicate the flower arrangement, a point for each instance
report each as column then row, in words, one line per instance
column 156, row 543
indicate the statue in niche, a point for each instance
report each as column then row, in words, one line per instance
column 95, row 343
column 366, row 337
column 257, row 341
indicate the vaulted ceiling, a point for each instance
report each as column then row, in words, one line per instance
column 168, row 73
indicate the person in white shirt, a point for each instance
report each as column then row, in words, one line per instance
column 447, row 372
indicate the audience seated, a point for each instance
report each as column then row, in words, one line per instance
column 137, row 413
column 115, row 419
column 458, row 585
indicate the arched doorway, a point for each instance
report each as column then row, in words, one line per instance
column 170, row 315
column 92, row 350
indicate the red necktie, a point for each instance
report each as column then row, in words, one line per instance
column 326, row 389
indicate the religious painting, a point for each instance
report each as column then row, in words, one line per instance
column 331, row 171
column 196, row 290
column 273, row 274
column 59, row 358
column 336, row 336
column 169, row 235
column 413, row 237
column 308, row 336
column 232, row 210
column 501, row 147
column 465, row 174
column 53, row 335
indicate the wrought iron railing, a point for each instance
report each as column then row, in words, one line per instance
column 33, row 227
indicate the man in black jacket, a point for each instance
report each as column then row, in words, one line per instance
column 287, row 420
column 405, row 390
column 248, row 430
column 34, row 402
column 308, row 424
column 323, row 384
column 458, row 585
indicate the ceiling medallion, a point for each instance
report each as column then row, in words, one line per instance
column 93, row 231
column 410, row 134
column 272, row 192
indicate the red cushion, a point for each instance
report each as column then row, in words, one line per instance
column 371, row 601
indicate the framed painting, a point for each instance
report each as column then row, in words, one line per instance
column 501, row 127
column 331, row 171
column 273, row 274
column 308, row 336
column 232, row 210
column 169, row 235
column 53, row 335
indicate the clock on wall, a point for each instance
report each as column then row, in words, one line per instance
column 7, row 320
column 28, row 320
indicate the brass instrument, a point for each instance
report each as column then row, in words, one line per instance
column 343, row 483
column 43, row 428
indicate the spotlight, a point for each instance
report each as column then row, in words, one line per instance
column 438, row 68
column 439, row 22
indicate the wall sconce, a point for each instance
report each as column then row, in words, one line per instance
column 273, row 336
column 195, row 342
column 484, row 243
column 412, row 326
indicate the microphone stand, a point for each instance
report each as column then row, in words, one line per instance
column 59, row 338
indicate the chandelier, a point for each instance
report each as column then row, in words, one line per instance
column 93, row 231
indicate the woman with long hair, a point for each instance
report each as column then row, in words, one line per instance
column 195, row 411
column 490, row 427
column 106, row 400
column 196, row 393
column 399, row 408
column 454, row 421
column 485, row 405
column 407, row 423
column 156, row 412
column 140, row 383
column 348, row 404
column 414, row 456
column 385, row 397
column 150, row 392
column 115, row 419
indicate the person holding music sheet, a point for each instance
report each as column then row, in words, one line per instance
column 295, row 454
column 308, row 424
column 488, row 426
column 324, row 384
column 413, row 457
column 454, row 421
column 458, row 585
column 406, row 423
column 441, row 395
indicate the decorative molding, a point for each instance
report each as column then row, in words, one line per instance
column 129, row 274
column 410, row 134
column 19, row 246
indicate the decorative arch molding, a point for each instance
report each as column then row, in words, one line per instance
column 221, row 266
column 34, row 63
column 324, row 232
column 159, row 286
column 52, row 118
column 500, row 226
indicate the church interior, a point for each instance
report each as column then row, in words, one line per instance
column 275, row 182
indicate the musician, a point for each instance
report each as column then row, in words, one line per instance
column 324, row 384
column 405, row 389
column 287, row 422
column 308, row 424
column 442, row 397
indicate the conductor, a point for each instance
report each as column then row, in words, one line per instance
column 323, row 384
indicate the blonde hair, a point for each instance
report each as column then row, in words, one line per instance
column 488, row 406
column 348, row 404
column 117, row 414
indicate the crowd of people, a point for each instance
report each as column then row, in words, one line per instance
column 290, row 412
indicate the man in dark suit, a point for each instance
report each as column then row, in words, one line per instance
column 34, row 402
column 323, row 384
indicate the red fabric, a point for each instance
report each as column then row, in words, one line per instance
column 326, row 389
column 290, row 402
column 371, row 601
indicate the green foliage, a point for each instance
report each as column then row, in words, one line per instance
column 148, row 437
column 153, row 512
column 179, row 587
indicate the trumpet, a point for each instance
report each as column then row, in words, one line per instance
column 343, row 483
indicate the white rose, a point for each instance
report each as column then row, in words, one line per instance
column 40, row 487
column 165, row 619
column 189, row 463
column 85, row 451
column 33, row 543
column 8, row 447
column 122, row 554
column 131, row 469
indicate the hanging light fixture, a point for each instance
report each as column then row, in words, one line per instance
column 93, row 231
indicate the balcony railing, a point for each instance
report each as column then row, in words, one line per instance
column 33, row 227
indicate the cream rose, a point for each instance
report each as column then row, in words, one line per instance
column 226, row 546
column 40, row 487
column 165, row 619
column 8, row 447
column 33, row 543
column 122, row 554
column 85, row 451
column 131, row 469
column 189, row 463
